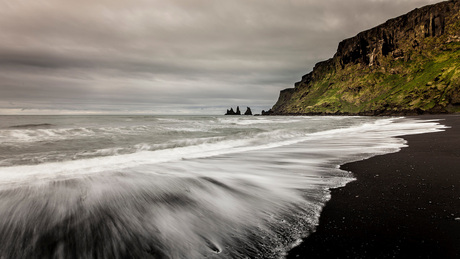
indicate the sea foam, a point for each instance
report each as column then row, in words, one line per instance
column 247, row 193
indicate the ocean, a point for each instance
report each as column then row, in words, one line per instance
column 177, row 186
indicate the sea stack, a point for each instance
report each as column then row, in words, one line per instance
column 232, row 112
column 248, row 111
column 238, row 112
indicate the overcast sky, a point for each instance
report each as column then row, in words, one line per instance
column 169, row 57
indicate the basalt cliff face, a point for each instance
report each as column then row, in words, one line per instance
column 408, row 65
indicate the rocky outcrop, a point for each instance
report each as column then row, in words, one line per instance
column 248, row 111
column 238, row 112
column 397, row 36
column 269, row 112
column 408, row 65
column 232, row 112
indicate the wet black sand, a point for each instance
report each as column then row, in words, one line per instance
column 403, row 205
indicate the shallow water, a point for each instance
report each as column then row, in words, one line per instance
column 176, row 186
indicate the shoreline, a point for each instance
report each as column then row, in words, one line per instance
column 401, row 205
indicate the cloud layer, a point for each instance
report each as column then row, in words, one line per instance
column 178, row 56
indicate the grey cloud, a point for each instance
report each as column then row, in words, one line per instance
column 152, row 54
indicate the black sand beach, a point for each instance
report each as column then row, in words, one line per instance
column 403, row 205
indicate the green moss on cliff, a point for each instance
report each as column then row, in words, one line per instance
column 423, row 84
column 421, row 73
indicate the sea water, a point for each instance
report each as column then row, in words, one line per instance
column 176, row 186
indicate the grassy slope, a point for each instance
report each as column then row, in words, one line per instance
column 425, row 80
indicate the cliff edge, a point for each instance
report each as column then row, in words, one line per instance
column 408, row 65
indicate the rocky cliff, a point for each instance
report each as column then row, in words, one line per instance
column 408, row 65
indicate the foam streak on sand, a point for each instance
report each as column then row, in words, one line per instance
column 252, row 191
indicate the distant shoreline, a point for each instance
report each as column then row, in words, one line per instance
column 402, row 205
column 401, row 113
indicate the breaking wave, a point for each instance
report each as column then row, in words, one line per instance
column 243, row 189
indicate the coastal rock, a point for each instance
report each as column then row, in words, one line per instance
column 232, row 112
column 269, row 112
column 248, row 111
column 408, row 65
